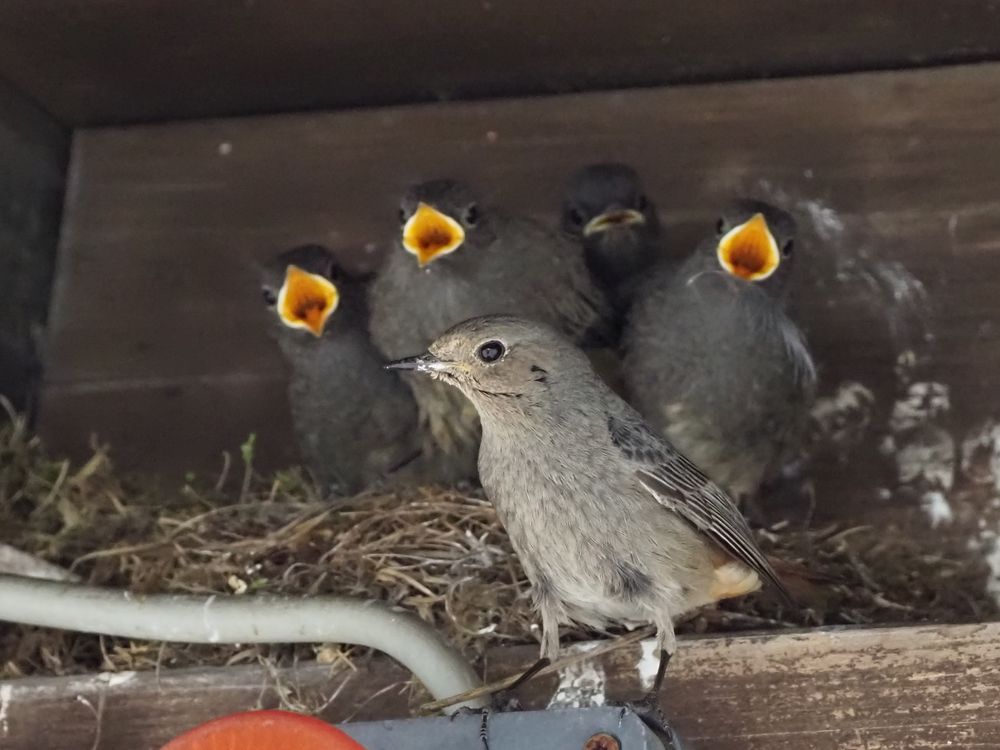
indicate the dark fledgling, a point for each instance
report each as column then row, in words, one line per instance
column 712, row 359
column 610, row 522
column 354, row 422
column 457, row 258
column 607, row 210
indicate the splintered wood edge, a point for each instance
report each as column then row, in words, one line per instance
column 878, row 688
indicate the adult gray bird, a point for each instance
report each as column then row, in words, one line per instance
column 354, row 422
column 608, row 211
column 713, row 361
column 457, row 259
column 610, row 522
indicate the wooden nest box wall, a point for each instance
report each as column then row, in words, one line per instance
column 152, row 151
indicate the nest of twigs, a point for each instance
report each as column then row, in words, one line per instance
column 439, row 552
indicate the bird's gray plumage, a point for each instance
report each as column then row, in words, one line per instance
column 610, row 522
column 354, row 422
column 715, row 364
column 622, row 249
column 505, row 264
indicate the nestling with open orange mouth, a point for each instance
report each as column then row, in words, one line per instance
column 354, row 423
column 457, row 258
column 712, row 358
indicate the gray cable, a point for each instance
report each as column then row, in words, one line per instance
column 250, row 619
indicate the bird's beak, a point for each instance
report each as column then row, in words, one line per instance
column 429, row 234
column 749, row 250
column 426, row 363
column 306, row 300
column 614, row 218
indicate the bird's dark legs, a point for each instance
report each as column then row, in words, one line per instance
column 503, row 701
column 661, row 671
column 647, row 708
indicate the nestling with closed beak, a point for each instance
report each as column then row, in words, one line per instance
column 354, row 423
column 711, row 357
column 606, row 209
column 611, row 523
column 457, row 259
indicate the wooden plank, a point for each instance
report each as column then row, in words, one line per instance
column 130, row 60
column 861, row 689
column 171, row 216
column 33, row 153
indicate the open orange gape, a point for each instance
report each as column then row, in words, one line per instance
column 306, row 300
column 264, row 730
column 430, row 234
column 749, row 250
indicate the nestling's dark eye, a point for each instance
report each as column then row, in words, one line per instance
column 402, row 216
column 472, row 215
column 575, row 217
column 720, row 226
column 270, row 298
column 786, row 251
column 491, row 351
column 643, row 203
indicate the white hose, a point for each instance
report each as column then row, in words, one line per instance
column 245, row 619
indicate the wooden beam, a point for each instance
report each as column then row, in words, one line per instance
column 888, row 688
column 171, row 218
column 132, row 60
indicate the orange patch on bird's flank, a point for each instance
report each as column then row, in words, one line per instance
column 749, row 251
column 264, row 730
column 733, row 579
column 429, row 234
column 306, row 300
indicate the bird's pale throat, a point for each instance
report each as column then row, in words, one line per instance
column 749, row 250
column 430, row 234
column 306, row 300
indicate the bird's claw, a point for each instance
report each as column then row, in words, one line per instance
column 650, row 713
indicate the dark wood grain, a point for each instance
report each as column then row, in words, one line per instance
column 891, row 688
column 33, row 154
column 129, row 60
column 164, row 223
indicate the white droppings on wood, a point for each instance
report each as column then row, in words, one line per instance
column 927, row 459
column 937, row 508
column 581, row 685
column 116, row 679
column 649, row 663
column 843, row 419
column 922, row 403
column 6, row 697
column 992, row 558
column 980, row 461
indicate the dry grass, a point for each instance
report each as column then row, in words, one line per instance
column 437, row 551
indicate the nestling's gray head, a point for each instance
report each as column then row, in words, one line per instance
column 607, row 208
column 303, row 287
column 754, row 242
column 438, row 217
column 503, row 361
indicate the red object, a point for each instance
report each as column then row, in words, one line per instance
column 264, row 730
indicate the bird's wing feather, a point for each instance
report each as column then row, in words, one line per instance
column 680, row 486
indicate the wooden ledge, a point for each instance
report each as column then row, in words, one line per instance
column 897, row 687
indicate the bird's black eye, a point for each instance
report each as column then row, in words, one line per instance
column 402, row 216
column 491, row 351
column 720, row 226
column 576, row 217
column 270, row 298
column 643, row 203
column 786, row 251
column 472, row 215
